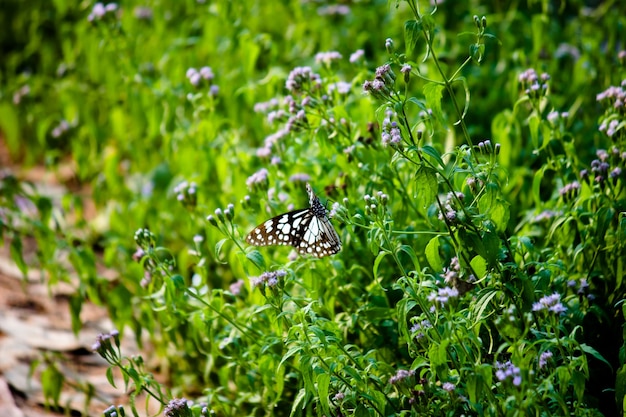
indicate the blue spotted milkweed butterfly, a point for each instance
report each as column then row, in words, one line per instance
column 308, row 230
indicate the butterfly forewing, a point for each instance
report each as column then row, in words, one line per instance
column 308, row 230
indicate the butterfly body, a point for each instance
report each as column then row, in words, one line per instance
column 308, row 230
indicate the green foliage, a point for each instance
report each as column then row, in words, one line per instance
column 478, row 276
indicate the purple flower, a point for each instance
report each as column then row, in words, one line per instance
column 300, row 77
column 177, row 407
column 269, row 278
column 551, row 303
column 300, row 177
column 327, row 57
column 419, row 328
column 543, row 358
column 401, row 375
column 357, row 55
column 259, row 177
column 508, row 371
column 341, row 87
column 448, row 386
column 443, row 295
column 207, row 73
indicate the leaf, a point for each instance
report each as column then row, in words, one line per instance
column 412, row 31
column 323, row 384
column 433, row 95
column 16, row 255
column 479, row 266
column 218, row 248
column 425, row 186
column 432, row 254
column 432, row 152
column 256, row 258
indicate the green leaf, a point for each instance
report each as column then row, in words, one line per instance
column 477, row 50
column 218, row 248
column 432, row 254
column 323, row 384
column 52, row 383
column 16, row 255
column 109, row 376
column 479, row 265
column 10, row 127
column 433, row 94
column 434, row 153
column 425, row 186
column 591, row 351
column 256, row 258
column 412, row 31
column 298, row 403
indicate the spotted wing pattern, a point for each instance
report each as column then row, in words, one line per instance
column 308, row 230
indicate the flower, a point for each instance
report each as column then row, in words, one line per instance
column 327, row 58
column 401, row 375
column 551, row 303
column 258, row 178
column 301, row 77
column 443, row 295
column 506, row 371
column 269, row 278
column 236, row 287
column 419, row 328
column 448, row 386
column 357, row 55
column 300, row 177
column 178, row 407
column 543, row 358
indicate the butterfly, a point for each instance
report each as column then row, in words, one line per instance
column 308, row 230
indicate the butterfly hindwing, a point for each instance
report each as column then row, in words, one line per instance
column 308, row 230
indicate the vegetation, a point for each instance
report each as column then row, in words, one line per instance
column 472, row 157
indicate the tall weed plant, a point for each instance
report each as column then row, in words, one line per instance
column 472, row 158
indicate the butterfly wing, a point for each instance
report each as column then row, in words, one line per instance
column 284, row 229
column 319, row 239
column 309, row 230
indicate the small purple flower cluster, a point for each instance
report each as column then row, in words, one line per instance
column 382, row 86
column 258, row 179
column 178, row 407
column 443, row 295
column 569, row 191
column 356, row 56
column 601, row 168
column 400, row 376
column 486, row 147
column 544, row 358
column 186, row 194
column 451, row 214
column 418, row 329
column 21, row 93
column 222, row 215
column 372, row 202
column 554, row 117
column 60, row 129
column 143, row 13
column 333, row 10
column 327, row 58
column 303, row 79
column 204, row 74
column 269, row 278
column 99, row 11
column 103, row 341
column 391, row 133
column 448, row 386
column 508, row 371
column 551, row 303
column 144, row 238
column 451, row 273
column 534, row 85
column 236, row 287
column 615, row 97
